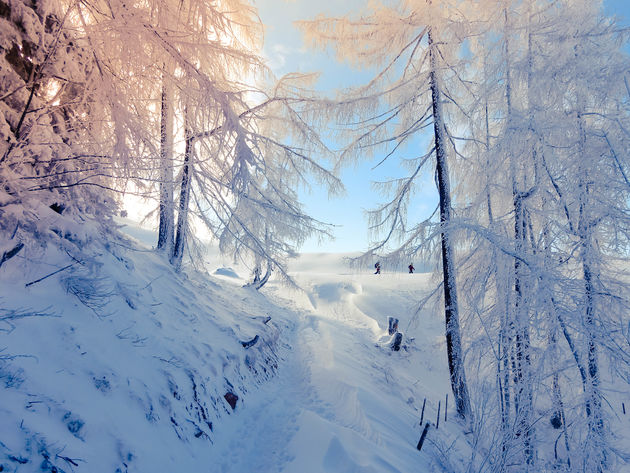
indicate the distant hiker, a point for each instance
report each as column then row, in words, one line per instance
column 411, row 268
column 377, row 265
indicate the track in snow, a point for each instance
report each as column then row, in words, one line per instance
column 341, row 402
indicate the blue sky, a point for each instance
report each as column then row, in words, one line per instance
column 286, row 53
column 620, row 8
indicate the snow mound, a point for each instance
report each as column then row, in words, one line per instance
column 335, row 291
column 227, row 272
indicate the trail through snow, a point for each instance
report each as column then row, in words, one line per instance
column 342, row 401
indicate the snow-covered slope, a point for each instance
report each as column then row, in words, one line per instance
column 117, row 364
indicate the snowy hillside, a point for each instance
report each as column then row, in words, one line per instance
column 119, row 364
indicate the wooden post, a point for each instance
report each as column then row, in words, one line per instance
column 424, row 403
column 437, row 424
column 623, row 408
column 423, row 436
column 392, row 325
column 395, row 346
column 446, row 409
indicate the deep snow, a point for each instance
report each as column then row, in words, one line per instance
column 126, row 365
column 344, row 402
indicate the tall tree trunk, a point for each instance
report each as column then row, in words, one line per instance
column 488, row 195
column 523, row 399
column 596, row 423
column 503, row 372
column 451, row 308
column 521, row 364
column 558, row 419
column 167, row 211
column 184, row 198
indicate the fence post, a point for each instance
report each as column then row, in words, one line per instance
column 437, row 424
column 392, row 325
column 446, row 409
column 422, row 415
column 423, row 436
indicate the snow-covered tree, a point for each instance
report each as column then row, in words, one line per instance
column 47, row 161
column 246, row 192
column 418, row 44
column 191, row 95
column 531, row 143
column 533, row 120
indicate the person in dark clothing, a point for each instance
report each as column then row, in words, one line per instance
column 411, row 268
column 378, row 267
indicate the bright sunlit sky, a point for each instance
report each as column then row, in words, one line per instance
column 286, row 52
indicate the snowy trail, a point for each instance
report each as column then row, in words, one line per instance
column 341, row 401
column 255, row 438
column 292, row 421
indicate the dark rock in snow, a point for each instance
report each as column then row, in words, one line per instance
column 231, row 399
column 57, row 207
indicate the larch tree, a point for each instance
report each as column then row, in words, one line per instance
column 548, row 97
column 48, row 163
column 194, row 96
column 533, row 115
column 248, row 197
column 590, row 186
column 417, row 44
column 166, row 222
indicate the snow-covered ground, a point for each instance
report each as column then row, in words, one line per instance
column 118, row 364
column 344, row 401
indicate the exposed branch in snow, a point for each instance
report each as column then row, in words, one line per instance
column 9, row 316
column 7, row 255
column 49, row 275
